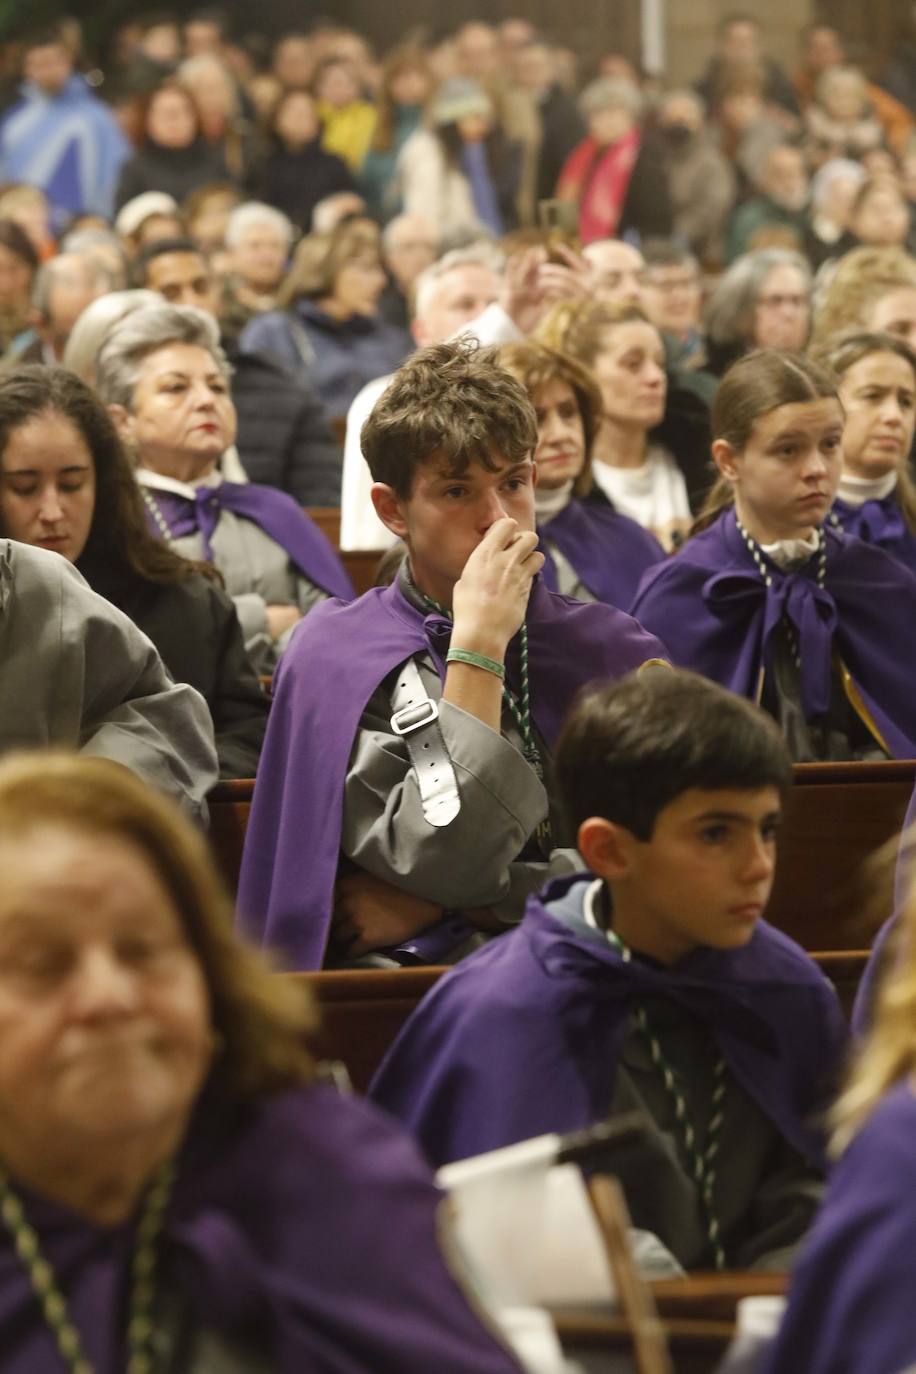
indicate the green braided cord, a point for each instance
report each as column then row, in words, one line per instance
column 700, row 1163
column 140, row 1328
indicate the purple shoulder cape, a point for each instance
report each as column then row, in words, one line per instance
column 303, row 1228
column 336, row 659
column 523, row 1037
column 880, row 951
column 851, row 1307
column 275, row 512
column 711, row 607
column 609, row 551
column 880, row 523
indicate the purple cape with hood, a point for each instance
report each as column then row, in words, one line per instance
column 336, row 659
column 523, row 1037
column 713, row 610
column 275, row 512
column 302, row 1229
column 881, row 523
column 609, row 551
column 851, row 1308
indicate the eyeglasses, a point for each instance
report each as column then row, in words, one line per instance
column 798, row 302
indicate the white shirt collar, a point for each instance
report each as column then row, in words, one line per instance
column 788, row 551
column 147, row 478
column 855, row 491
column 547, row 504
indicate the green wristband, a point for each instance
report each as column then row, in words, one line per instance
column 489, row 665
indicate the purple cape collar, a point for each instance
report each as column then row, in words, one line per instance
column 711, row 607
column 275, row 512
column 336, row 659
column 608, row 551
column 548, row 996
column 882, row 523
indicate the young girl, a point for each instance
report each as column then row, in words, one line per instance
column 877, row 498
column 631, row 464
column 850, row 1299
column 773, row 601
column 592, row 551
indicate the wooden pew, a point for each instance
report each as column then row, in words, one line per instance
column 697, row 1313
column 362, row 1010
column 838, row 814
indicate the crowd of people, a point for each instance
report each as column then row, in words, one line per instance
column 617, row 381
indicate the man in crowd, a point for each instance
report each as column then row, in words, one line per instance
column 60, row 136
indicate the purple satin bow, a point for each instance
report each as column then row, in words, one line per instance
column 877, row 522
column 810, row 609
column 185, row 516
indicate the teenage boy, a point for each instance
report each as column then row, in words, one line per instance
column 651, row 983
column 410, row 733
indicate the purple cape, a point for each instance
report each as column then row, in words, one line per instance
column 335, row 661
column 523, row 1037
column 851, row 1308
column 712, row 609
column 609, row 551
column 304, row 1227
column 875, row 968
column 881, row 523
column 273, row 511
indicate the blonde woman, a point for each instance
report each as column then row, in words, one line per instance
column 851, row 1298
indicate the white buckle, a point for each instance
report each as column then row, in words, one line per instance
column 414, row 717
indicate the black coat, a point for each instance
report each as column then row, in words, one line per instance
column 562, row 129
column 284, row 437
column 177, row 171
column 194, row 626
column 296, row 182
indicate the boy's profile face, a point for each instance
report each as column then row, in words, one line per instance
column 445, row 517
column 703, row 877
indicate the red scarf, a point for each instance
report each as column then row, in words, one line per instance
column 599, row 181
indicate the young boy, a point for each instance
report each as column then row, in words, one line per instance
column 650, row 983
column 408, row 746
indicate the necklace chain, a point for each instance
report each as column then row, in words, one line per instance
column 701, row 1162
column 140, row 1329
column 152, row 505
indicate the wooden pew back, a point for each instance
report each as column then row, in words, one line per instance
column 362, row 1011
column 836, row 817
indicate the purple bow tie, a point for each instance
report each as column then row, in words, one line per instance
column 810, row 609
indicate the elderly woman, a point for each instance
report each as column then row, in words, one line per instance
column 762, row 301
column 329, row 329
column 66, row 485
column 616, row 175
column 165, row 378
column 591, row 551
column 176, row 1191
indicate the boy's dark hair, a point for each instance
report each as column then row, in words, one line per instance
column 452, row 400
column 631, row 748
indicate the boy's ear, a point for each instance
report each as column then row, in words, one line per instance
column 606, row 848
column 724, row 456
column 389, row 508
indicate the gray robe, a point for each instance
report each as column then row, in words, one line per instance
column 484, row 857
column 78, row 674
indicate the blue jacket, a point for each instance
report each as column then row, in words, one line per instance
column 337, row 356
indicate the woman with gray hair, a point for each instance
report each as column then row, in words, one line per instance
column 762, row 301
column 616, row 175
column 164, row 378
